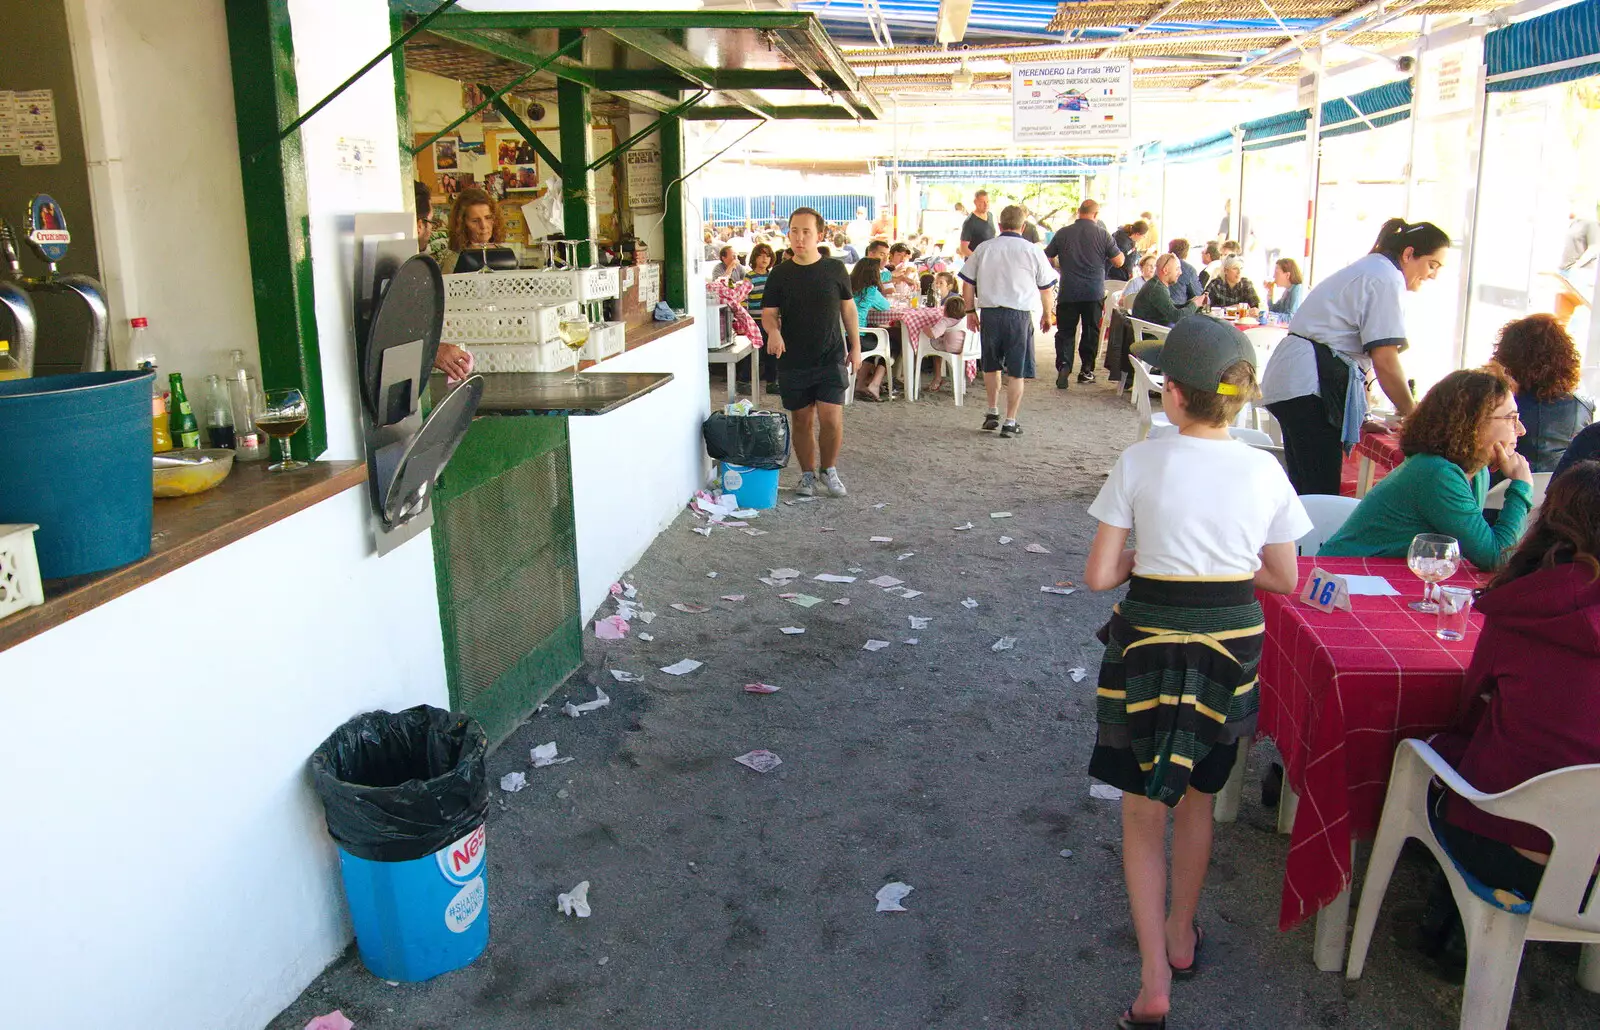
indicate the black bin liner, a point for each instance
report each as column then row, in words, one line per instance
column 759, row 440
column 398, row 786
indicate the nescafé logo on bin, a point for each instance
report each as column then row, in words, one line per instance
column 460, row 861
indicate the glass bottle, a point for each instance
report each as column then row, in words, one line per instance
column 244, row 398
column 180, row 417
column 218, row 414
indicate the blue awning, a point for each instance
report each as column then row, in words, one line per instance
column 1276, row 130
column 1378, row 106
column 1203, row 149
column 1005, row 169
column 1556, row 47
column 776, row 207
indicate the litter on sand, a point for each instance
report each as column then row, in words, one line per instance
column 703, row 530
column 1077, row 674
column 682, row 668
column 1037, row 549
column 612, row 627
column 803, row 600
column 545, row 755
column 882, row 505
column 903, row 557
column 769, row 581
column 824, row 529
column 963, row 527
column 760, row 688
column 1003, row 644
column 647, row 637
column 855, row 570
column 886, row 582
column 512, row 782
column 624, row 676
column 999, row 514
column 969, row 603
column 842, row 600
column 785, row 573
column 911, row 640
column 829, row 577
column 891, row 894
column 791, row 631
column 334, row 1020
column 753, row 532
column 600, row 701
column 575, row 902
column 918, row 621
column 746, row 513
column 1063, row 591
column 711, row 575
column 905, row 592
column 733, row 597
column 880, row 540
column 1005, row 540
column 1105, row 792
column 761, row 760
column 692, row 609
column 875, row 645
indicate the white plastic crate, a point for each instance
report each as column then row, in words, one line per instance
column 536, row 325
column 522, row 289
column 516, row 357
column 19, row 569
column 606, row 339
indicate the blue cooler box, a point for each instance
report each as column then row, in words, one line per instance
column 417, row 919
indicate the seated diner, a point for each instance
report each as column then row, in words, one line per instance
column 1286, row 277
column 867, row 289
column 1157, row 305
column 1231, row 289
column 1466, row 425
column 1537, row 352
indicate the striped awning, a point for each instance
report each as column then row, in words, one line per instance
column 1005, row 169
column 775, row 207
column 1205, row 148
column 1370, row 109
column 1556, row 47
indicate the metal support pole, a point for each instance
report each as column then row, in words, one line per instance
column 674, row 265
column 1314, row 160
column 1416, row 113
column 1474, row 212
column 577, row 178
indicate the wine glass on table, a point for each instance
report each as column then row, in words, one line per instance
column 283, row 414
column 574, row 334
column 1433, row 559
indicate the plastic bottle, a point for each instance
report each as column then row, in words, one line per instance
column 217, row 414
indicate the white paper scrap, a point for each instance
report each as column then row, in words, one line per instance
column 761, row 760
column 1063, row 591
column 1105, row 792
column 969, row 603
column 746, row 513
column 792, row 631
column 875, row 645
column 912, row 640
column 842, row 601
column 703, row 530
column 1037, row 549
column 963, row 527
column 733, row 597
column 919, row 622
column 855, row 570
column 1003, row 644
column 575, row 902
column 804, row 600
column 711, row 575
column 891, row 894
column 647, row 637
column 624, row 676
column 769, row 581
column 886, row 582
column 1370, row 586
column 600, row 701
column 1077, row 674
column 908, row 554
column 1005, row 540
column 682, row 668
column 545, row 754
column 880, row 505
column 760, row 688
column 785, row 573
column 881, row 540
column 905, row 592
column 829, row 577
column 999, row 514
column 753, row 532
column 512, row 782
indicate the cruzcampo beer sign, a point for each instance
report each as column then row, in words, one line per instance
column 1072, row 101
column 47, row 228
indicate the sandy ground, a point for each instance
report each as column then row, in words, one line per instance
column 728, row 899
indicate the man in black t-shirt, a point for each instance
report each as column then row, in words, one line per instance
column 806, row 300
column 979, row 225
column 1081, row 251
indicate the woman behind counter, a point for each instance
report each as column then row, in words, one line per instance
column 1537, row 352
column 474, row 222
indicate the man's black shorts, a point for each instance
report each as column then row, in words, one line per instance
column 803, row 387
column 1007, row 341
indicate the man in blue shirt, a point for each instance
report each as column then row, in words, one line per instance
column 1187, row 287
column 1081, row 252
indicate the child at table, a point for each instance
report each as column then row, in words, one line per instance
column 1216, row 520
column 944, row 284
column 948, row 334
column 864, row 284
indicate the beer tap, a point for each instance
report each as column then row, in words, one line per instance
column 16, row 301
column 47, row 234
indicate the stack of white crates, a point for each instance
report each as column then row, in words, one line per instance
column 510, row 321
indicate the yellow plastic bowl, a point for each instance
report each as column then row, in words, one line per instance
column 183, row 480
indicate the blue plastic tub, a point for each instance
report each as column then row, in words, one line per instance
column 755, row 488
column 75, row 458
column 417, row 919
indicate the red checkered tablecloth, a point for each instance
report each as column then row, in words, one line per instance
column 915, row 320
column 1383, row 448
column 1339, row 691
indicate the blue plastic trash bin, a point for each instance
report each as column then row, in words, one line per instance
column 755, row 488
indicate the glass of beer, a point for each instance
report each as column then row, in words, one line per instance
column 283, row 414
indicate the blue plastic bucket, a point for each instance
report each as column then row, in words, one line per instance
column 417, row 919
column 75, row 458
column 755, row 488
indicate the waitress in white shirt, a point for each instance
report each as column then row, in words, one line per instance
column 1351, row 324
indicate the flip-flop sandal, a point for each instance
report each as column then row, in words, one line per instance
column 864, row 395
column 1127, row 1022
column 1188, row 972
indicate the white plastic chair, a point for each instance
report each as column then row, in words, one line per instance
column 1565, row 803
column 1113, row 297
column 957, row 363
column 1328, row 512
column 1143, row 332
column 878, row 349
column 1497, row 495
column 1151, row 422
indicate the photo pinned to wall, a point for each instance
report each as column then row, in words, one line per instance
column 467, row 149
column 451, row 183
column 521, row 180
column 514, row 150
column 471, row 96
column 495, row 185
column 445, row 155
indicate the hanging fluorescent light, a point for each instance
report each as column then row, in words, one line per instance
column 961, row 81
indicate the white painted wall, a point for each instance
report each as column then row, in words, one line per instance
column 168, row 863
column 635, row 468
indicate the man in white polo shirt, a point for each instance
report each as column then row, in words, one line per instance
column 1000, row 283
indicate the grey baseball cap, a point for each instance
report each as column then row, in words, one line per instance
column 1199, row 349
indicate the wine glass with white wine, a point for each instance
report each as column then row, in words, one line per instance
column 1433, row 559
column 574, row 334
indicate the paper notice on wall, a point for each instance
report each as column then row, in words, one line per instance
column 642, row 166
column 353, row 155
column 9, row 144
column 1072, row 100
column 34, row 111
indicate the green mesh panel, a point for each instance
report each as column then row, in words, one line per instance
column 506, row 560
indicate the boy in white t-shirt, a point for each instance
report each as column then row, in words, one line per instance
column 1215, row 520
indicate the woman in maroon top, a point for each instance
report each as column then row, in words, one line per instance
column 1533, row 687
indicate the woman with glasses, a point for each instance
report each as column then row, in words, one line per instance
column 1465, row 426
column 1537, row 352
column 1351, row 325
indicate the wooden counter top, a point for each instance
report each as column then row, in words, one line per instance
column 549, row 393
column 186, row 528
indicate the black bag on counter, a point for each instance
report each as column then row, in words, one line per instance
column 759, row 440
column 397, row 786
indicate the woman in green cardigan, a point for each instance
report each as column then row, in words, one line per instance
column 1465, row 426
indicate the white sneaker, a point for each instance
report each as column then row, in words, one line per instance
column 835, row 485
column 807, row 487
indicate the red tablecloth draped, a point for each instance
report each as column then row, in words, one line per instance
column 1339, row 691
column 734, row 295
column 1384, row 451
column 915, row 320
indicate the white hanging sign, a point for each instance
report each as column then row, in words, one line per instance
column 1072, row 100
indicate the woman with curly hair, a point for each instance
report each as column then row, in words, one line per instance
column 1537, row 352
column 1465, row 425
column 474, row 222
